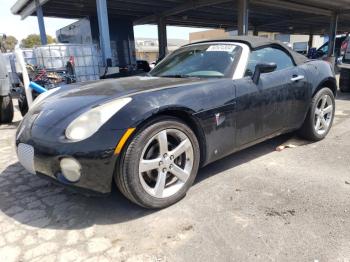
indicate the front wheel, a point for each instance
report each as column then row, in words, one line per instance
column 160, row 164
column 320, row 117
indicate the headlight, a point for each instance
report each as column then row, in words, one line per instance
column 42, row 96
column 89, row 122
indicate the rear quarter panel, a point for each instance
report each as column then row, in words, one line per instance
column 318, row 73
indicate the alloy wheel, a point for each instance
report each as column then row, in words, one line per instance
column 323, row 114
column 166, row 163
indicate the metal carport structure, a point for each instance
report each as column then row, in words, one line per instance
column 297, row 16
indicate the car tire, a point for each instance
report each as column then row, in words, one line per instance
column 344, row 80
column 6, row 109
column 22, row 103
column 314, row 128
column 137, row 186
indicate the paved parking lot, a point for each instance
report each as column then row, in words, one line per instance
column 258, row 204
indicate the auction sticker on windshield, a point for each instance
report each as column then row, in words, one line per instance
column 221, row 48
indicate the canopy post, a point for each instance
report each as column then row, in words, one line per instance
column 162, row 37
column 242, row 22
column 332, row 34
column 103, row 26
column 40, row 16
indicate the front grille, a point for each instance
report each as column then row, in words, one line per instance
column 25, row 155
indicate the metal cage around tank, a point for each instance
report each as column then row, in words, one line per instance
column 86, row 57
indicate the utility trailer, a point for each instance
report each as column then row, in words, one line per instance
column 6, row 106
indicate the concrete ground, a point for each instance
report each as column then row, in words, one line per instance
column 255, row 205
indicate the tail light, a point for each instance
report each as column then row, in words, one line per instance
column 344, row 46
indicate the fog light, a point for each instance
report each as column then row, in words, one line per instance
column 71, row 169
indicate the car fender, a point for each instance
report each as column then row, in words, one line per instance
column 320, row 74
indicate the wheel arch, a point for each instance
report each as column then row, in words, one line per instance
column 185, row 115
column 329, row 82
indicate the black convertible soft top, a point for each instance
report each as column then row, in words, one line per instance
column 255, row 42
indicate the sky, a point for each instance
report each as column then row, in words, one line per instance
column 13, row 25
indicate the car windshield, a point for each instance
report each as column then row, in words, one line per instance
column 203, row 60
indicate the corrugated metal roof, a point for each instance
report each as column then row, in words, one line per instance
column 297, row 16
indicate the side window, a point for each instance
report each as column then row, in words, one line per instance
column 268, row 55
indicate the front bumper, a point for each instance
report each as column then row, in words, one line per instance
column 95, row 155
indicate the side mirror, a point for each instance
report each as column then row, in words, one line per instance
column 261, row 69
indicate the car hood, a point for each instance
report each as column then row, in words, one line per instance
column 123, row 86
column 70, row 101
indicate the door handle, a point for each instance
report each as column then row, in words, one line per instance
column 297, row 78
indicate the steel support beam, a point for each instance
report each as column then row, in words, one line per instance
column 103, row 26
column 242, row 17
column 291, row 6
column 190, row 5
column 332, row 34
column 162, row 38
column 40, row 16
column 311, row 40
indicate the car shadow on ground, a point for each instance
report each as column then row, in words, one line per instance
column 38, row 203
column 242, row 157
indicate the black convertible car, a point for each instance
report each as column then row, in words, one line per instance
column 150, row 134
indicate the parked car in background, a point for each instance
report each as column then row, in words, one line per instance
column 151, row 133
column 322, row 51
column 344, row 81
column 143, row 66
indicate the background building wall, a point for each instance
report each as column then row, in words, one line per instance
column 296, row 41
column 208, row 34
column 148, row 48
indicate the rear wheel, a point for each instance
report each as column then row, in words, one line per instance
column 160, row 164
column 344, row 80
column 320, row 117
column 6, row 109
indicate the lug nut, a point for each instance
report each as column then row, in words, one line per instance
column 164, row 170
column 171, row 166
column 160, row 163
column 171, row 157
column 165, row 155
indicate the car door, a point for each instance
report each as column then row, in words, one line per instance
column 298, row 95
column 262, row 108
